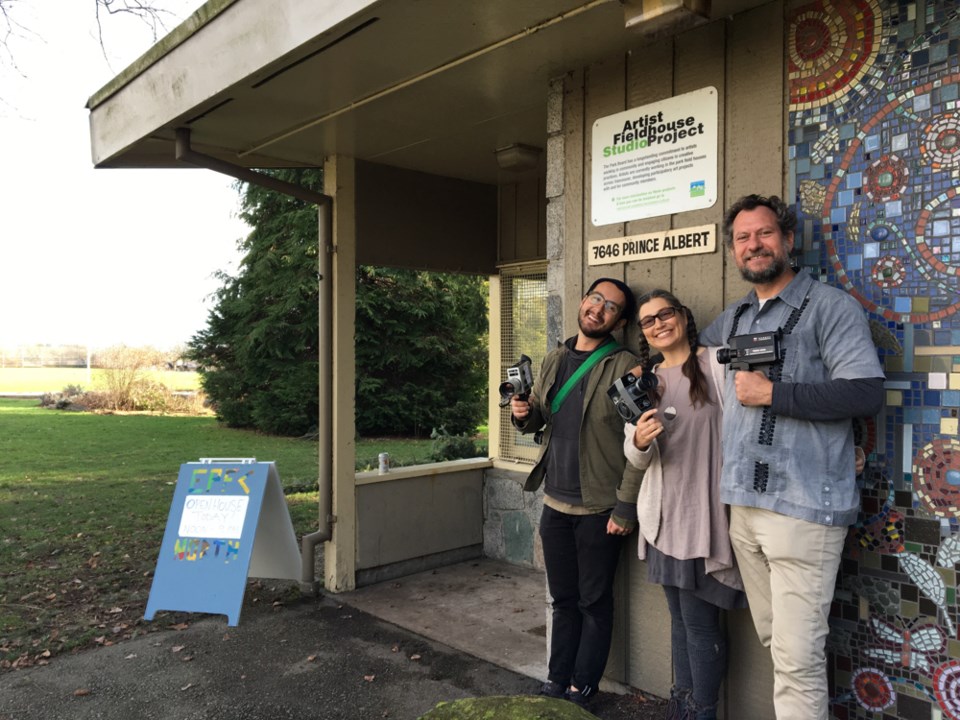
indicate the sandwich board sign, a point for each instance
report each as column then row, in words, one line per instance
column 228, row 520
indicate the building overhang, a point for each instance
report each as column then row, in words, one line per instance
column 432, row 85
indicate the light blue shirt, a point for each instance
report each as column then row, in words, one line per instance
column 801, row 468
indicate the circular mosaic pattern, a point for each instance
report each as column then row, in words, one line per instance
column 933, row 250
column 888, row 272
column 946, row 686
column 930, row 255
column 940, row 146
column 830, row 46
column 886, row 178
column 873, row 690
column 936, row 477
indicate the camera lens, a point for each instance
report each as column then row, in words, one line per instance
column 725, row 355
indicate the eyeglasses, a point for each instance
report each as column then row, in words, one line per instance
column 609, row 306
column 664, row 315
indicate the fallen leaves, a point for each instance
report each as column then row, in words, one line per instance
column 81, row 692
column 369, row 678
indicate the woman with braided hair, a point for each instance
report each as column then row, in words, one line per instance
column 683, row 525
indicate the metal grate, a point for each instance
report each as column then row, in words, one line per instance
column 523, row 318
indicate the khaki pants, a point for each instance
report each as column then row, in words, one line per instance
column 789, row 570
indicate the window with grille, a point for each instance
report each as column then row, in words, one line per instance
column 523, row 323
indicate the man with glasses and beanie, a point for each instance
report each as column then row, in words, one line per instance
column 590, row 491
column 788, row 449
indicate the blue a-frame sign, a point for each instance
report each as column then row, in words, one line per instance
column 228, row 520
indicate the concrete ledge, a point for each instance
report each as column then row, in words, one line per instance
column 426, row 470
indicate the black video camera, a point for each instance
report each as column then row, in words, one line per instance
column 748, row 351
column 519, row 381
column 633, row 395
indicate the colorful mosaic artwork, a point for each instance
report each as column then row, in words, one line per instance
column 874, row 153
column 873, row 690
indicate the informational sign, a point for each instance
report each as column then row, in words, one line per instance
column 657, row 159
column 653, row 246
column 228, row 521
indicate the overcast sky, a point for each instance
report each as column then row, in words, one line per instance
column 98, row 257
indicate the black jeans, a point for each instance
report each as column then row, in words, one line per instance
column 699, row 646
column 581, row 561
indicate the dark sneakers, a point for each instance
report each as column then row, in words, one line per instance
column 556, row 690
column 578, row 698
column 552, row 689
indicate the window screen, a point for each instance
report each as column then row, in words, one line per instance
column 523, row 308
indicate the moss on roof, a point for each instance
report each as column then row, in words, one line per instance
column 180, row 34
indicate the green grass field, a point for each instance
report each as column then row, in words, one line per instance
column 84, row 500
column 43, row 380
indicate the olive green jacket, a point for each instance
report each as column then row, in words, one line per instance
column 607, row 480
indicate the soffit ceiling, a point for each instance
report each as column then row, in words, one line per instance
column 428, row 85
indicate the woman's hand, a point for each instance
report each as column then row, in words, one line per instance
column 648, row 428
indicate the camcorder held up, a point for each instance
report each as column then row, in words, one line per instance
column 519, row 381
column 746, row 352
column 633, row 395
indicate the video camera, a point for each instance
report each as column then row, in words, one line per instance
column 633, row 395
column 748, row 351
column 519, row 381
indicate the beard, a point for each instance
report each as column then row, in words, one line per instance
column 595, row 333
column 776, row 268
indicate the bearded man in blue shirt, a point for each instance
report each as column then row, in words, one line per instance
column 788, row 448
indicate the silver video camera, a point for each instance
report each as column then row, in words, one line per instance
column 519, row 381
column 633, row 395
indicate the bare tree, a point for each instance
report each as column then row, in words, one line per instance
column 151, row 13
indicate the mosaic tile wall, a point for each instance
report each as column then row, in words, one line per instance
column 874, row 159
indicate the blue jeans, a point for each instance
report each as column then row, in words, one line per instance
column 698, row 644
column 581, row 561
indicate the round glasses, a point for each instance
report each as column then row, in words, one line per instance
column 610, row 306
column 648, row 320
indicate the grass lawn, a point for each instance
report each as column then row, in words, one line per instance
column 84, row 500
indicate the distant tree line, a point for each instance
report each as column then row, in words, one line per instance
column 420, row 337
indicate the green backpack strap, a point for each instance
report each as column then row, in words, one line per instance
column 596, row 356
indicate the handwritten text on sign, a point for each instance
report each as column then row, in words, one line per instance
column 653, row 246
column 213, row 516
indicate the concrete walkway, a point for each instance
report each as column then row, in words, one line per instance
column 313, row 659
column 487, row 608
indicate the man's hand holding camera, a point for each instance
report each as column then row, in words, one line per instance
column 520, row 408
column 746, row 352
column 753, row 388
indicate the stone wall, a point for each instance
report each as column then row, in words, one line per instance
column 511, row 518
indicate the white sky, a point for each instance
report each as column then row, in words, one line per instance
column 98, row 257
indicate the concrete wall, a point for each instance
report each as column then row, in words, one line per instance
column 418, row 517
column 511, row 518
